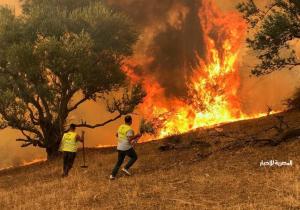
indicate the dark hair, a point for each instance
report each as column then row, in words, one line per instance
column 128, row 119
column 72, row 126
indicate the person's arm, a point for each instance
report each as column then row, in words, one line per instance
column 80, row 138
column 130, row 135
column 137, row 136
column 132, row 138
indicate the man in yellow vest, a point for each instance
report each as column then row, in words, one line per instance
column 69, row 148
column 126, row 139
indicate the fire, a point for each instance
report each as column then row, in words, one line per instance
column 25, row 163
column 213, row 85
column 38, row 160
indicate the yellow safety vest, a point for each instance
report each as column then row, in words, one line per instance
column 122, row 132
column 69, row 142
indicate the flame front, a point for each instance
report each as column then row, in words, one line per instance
column 213, row 85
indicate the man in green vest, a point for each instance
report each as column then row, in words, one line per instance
column 69, row 148
column 126, row 139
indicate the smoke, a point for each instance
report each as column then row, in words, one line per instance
column 259, row 93
column 171, row 37
column 10, row 152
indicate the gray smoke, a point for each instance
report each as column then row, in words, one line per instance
column 176, row 39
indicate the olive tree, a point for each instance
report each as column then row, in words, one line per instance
column 54, row 57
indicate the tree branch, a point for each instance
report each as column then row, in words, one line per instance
column 26, row 142
column 31, row 114
column 27, row 136
column 25, row 94
column 269, row 8
column 292, row 64
column 75, row 106
column 16, row 123
column 33, row 142
column 30, row 141
column 85, row 125
column 44, row 102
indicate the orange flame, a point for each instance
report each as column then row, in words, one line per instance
column 37, row 160
column 213, row 85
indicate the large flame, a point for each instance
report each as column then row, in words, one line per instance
column 212, row 87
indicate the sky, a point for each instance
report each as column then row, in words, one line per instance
column 254, row 89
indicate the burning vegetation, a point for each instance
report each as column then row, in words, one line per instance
column 209, row 75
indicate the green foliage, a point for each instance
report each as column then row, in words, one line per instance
column 54, row 51
column 272, row 30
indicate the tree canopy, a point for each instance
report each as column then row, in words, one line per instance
column 55, row 50
column 273, row 30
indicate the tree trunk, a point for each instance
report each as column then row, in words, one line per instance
column 52, row 152
column 52, row 143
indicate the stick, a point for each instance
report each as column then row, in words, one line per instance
column 83, row 150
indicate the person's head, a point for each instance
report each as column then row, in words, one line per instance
column 72, row 127
column 128, row 120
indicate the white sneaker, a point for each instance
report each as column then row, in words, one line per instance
column 126, row 171
column 111, row 177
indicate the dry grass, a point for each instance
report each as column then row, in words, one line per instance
column 174, row 179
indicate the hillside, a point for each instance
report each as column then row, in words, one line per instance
column 217, row 168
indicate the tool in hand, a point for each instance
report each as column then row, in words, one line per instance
column 83, row 150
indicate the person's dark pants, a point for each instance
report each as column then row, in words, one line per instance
column 121, row 156
column 69, row 158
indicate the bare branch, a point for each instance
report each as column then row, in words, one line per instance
column 26, row 142
column 24, row 134
column 46, row 106
column 29, row 141
column 32, row 117
column 26, row 94
column 14, row 122
column 85, row 125
column 269, row 8
column 3, row 125
column 75, row 106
